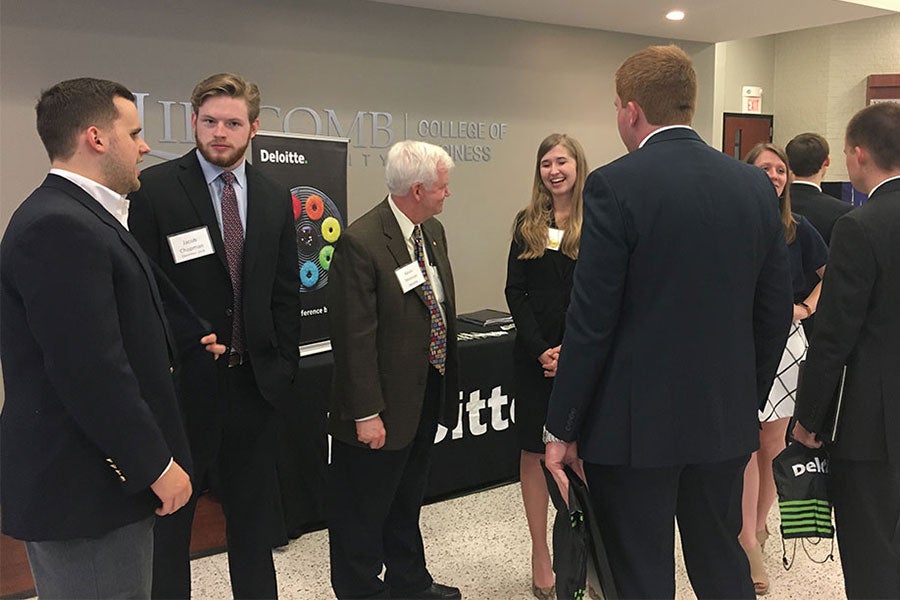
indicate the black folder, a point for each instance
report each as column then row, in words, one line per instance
column 486, row 317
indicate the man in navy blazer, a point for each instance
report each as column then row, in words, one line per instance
column 859, row 327
column 679, row 313
column 93, row 443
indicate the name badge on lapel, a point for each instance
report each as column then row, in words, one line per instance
column 410, row 276
column 554, row 238
column 189, row 245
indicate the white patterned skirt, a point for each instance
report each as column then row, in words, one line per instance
column 784, row 389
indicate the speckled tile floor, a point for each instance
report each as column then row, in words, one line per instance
column 480, row 544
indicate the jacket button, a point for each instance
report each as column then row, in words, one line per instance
column 171, row 370
column 228, row 312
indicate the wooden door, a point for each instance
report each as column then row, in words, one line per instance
column 740, row 132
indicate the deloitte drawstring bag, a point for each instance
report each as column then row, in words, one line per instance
column 801, row 476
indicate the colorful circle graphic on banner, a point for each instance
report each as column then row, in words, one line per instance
column 318, row 224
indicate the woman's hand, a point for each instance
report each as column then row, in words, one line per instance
column 549, row 359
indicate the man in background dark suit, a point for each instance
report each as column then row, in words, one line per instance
column 679, row 313
column 224, row 235
column 92, row 439
column 808, row 155
column 392, row 315
column 859, row 326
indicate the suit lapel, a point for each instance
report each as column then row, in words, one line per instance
column 81, row 196
column 438, row 256
column 194, row 184
column 555, row 256
column 255, row 217
column 395, row 242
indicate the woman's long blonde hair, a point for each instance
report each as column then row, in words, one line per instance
column 532, row 228
column 784, row 201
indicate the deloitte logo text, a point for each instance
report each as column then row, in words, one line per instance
column 814, row 466
column 282, row 158
column 470, row 419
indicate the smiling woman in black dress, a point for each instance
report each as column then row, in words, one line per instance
column 538, row 283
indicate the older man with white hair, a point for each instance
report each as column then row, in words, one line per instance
column 392, row 316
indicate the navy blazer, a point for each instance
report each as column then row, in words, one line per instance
column 90, row 418
column 680, row 308
column 822, row 210
column 858, row 325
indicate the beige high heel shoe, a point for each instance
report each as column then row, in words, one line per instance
column 758, row 573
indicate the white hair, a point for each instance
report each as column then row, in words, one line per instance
column 410, row 162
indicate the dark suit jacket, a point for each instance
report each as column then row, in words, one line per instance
column 174, row 198
column 680, row 308
column 380, row 335
column 90, row 418
column 858, row 325
column 818, row 207
column 537, row 292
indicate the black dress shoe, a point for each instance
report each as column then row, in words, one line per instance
column 435, row 591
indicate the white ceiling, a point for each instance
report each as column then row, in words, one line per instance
column 706, row 20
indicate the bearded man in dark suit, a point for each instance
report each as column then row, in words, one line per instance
column 224, row 234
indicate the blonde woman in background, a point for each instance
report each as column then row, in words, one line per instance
column 541, row 261
column 807, row 253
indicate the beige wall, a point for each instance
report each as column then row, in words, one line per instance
column 349, row 56
column 813, row 79
column 820, row 78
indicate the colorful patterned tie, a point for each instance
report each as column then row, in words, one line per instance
column 437, row 348
column 233, row 233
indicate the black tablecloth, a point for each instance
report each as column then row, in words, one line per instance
column 480, row 451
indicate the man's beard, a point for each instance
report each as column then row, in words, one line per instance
column 226, row 160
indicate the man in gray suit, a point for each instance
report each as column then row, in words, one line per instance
column 392, row 316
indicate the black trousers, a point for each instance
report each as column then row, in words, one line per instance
column 375, row 497
column 242, row 475
column 866, row 497
column 636, row 512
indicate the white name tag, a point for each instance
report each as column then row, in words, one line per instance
column 189, row 245
column 554, row 238
column 410, row 276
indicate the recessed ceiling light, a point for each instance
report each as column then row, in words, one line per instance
column 675, row 15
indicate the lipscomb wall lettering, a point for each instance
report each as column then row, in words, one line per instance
column 370, row 132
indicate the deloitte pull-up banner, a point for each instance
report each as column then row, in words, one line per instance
column 314, row 168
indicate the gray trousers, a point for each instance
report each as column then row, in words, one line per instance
column 117, row 565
